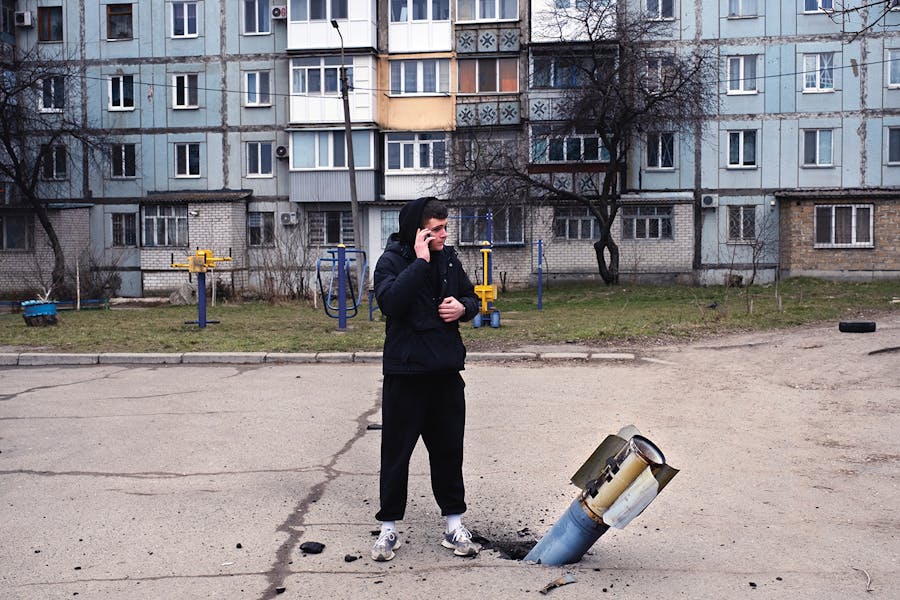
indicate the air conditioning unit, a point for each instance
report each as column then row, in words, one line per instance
column 281, row 152
column 289, row 218
column 709, row 201
column 279, row 12
column 23, row 18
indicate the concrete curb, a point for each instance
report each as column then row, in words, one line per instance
column 45, row 359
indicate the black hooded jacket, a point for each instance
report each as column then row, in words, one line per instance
column 409, row 290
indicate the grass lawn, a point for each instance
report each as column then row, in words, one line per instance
column 584, row 313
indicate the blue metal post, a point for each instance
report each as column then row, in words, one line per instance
column 490, row 241
column 201, row 299
column 342, row 287
column 540, row 274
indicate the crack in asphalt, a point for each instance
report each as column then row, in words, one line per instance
column 15, row 395
column 295, row 521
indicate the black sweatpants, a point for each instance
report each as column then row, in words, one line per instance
column 432, row 406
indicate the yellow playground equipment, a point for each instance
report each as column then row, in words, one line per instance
column 200, row 262
column 486, row 292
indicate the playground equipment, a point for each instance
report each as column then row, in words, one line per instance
column 486, row 292
column 200, row 262
column 339, row 266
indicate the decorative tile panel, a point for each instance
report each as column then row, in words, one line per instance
column 588, row 183
column 509, row 113
column 540, row 109
column 509, row 40
column 465, row 41
column 487, row 114
column 466, row 114
column 487, row 40
column 563, row 181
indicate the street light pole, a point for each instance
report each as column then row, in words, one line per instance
column 351, row 166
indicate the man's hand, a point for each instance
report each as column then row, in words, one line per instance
column 423, row 239
column 451, row 309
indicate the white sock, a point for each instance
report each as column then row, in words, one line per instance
column 388, row 526
column 454, row 522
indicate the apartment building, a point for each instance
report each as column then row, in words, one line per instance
column 228, row 131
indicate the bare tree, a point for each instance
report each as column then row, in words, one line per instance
column 614, row 79
column 869, row 13
column 43, row 134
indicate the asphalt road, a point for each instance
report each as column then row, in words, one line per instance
column 201, row 481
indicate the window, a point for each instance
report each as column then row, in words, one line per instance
column 741, row 223
column 256, row 84
column 124, row 229
column 390, row 223
column 259, row 159
column 742, row 148
column 894, row 145
column 661, row 9
column 50, row 23
column 328, row 150
column 817, row 144
column 560, row 72
column 661, row 150
column 185, row 91
column 187, row 160
column 817, row 5
column 844, row 226
column 55, row 163
column 165, row 225
column 316, row 76
column 575, row 224
column 647, row 222
column 660, row 73
column 318, row 10
column 742, row 74
column 410, row 77
column 256, row 16
column 419, row 10
column 330, row 227
column 818, row 72
column 507, row 225
column 419, row 151
column 490, row 10
column 549, row 145
column 741, row 8
column 261, row 228
column 123, row 158
column 893, row 68
column 119, row 22
column 53, row 93
column 184, row 19
column 16, row 232
column 486, row 75
column 121, row 92
column 7, row 17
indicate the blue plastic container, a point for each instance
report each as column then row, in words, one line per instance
column 38, row 312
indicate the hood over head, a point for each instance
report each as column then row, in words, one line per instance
column 411, row 220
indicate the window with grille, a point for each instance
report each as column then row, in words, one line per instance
column 261, row 228
column 741, row 223
column 507, row 225
column 327, row 228
column 124, row 229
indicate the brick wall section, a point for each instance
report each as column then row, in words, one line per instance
column 22, row 271
column 576, row 258
column 800, row 256
column 218, row 226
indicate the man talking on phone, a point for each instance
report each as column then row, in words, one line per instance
column 424, row 293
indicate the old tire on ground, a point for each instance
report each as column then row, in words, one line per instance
column 857, row 326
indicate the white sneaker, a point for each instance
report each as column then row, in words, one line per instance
column 460, row 541
column 384, row 547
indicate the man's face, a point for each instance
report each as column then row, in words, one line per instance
column 438, row 228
